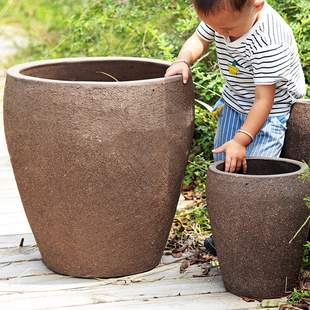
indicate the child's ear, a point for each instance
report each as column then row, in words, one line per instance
column 258, row 5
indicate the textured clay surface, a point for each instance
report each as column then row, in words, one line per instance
column 297, row 138
column 253, row 218
column 99, row 165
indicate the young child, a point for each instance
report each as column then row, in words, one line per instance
column 259, row 60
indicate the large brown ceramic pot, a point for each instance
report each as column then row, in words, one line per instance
column 98, row 163
column 297, row 138
column 253, row 218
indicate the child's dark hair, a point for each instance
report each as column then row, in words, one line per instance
column 216, row 6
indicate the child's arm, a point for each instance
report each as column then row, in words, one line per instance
column 235, row 149
column 191, row 51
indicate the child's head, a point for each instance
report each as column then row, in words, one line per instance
column 229, row 17
column 215, row 6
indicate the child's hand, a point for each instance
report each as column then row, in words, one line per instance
column 179, row 68
column 235, row 156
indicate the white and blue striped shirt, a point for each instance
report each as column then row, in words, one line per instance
column 265, row 55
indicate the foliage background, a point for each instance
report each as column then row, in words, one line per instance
column 142, row 28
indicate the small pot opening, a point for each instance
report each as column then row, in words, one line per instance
column 98, row 70
column 265, row 167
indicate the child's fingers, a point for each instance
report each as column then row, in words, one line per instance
column 233, row 165
column 238, row 166
column 179, row 68
column 227, row 164
column 230, row 165
column 235, row 158
column 244, row 166
column 218, row 150
column 185, row 77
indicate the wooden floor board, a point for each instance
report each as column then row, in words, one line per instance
column 218, row 301
column 12, row 241
column 198, row 302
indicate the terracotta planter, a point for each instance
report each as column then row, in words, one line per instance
column 297, row 138
column 98, row 163
column 253, row 218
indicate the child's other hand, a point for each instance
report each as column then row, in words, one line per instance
column 179, row 68
column 235, row 156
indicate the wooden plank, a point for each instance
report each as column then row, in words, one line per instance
column 4, row 155
column 220, row 301
column 184, row 292
column 32, row 273
column 9, row 193
column 103, row 292
column 101, row 300
column 10, row 200
column 7, row 180
column 14, row 223
column 49, row 292
column 10, row 241
column 19, row 254
column 10, row 205
column 9, row 269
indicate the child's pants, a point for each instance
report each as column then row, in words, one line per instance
column 268, row 142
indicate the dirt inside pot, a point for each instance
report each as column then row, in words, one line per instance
column 122, row 70
column 265, row 167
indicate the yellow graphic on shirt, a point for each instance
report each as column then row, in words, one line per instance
column 217, row 111
column 232, row 68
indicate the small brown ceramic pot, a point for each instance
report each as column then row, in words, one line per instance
column 297, row 137
column 98, row 163
column 253, row 218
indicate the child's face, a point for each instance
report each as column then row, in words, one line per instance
column 232, row 23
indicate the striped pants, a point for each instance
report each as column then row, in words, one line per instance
column 268, row 142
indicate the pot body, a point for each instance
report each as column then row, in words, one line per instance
column 253, row 218
column 98, row 163
column 297, row 137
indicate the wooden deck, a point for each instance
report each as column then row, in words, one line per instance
column 25, row 283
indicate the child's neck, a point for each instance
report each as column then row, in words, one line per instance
column 232, row 39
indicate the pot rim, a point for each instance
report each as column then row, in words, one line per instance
column 303, row 101
column 302, row 167
column 15, row 71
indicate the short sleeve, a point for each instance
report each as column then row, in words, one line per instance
column 271, row 65
column 205, row 32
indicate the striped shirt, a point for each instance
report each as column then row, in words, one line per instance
column 265, row 55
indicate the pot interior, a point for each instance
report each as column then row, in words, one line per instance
column 266, row 167
column 119, row 69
